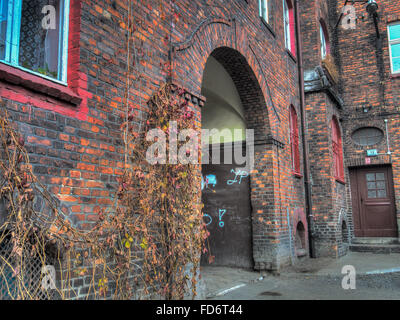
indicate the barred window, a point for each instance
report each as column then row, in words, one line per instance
column 367, row 136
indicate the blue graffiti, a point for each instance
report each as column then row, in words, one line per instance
column 220, row 215
column 208, row 180
column 209, row 218
column 238, row 174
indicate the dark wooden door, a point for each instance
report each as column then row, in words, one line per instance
column 373, row 202
column 227, row 213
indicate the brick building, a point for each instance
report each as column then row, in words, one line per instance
column 315, row 86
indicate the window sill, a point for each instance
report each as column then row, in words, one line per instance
column 297, row 175
column 291, row 55
column 36, row 83
column 395, row 75
column 268, row 26
column 340, row 180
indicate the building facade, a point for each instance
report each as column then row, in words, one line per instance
column 319, row 89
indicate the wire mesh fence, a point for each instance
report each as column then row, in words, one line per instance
column 31, row 279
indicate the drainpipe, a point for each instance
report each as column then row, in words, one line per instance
column 306, row 162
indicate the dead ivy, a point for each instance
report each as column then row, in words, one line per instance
column 150, row 240
column 146, row 245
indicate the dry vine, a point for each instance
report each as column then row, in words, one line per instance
column 148, row 245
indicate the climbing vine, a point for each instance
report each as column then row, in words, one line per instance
column 147, row 245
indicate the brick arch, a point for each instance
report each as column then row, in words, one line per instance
column 262, row 178
column 226, row 40
column 256, row 114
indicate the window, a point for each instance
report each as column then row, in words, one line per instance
column 288, row 19
column 263, row 9
column 367, row 136
column 323, row 33
column 376, row 185
column 394, row 47
column 34, row 36
column 294, row 141
column 337, row 151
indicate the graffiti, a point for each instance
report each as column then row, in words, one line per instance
column 238, row 174
column 207, row 216
column 220, row 215
column 208, row 180
column 208, row 219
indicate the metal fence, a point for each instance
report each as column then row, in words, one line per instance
column 25, row 283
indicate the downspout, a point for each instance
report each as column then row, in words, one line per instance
column 306, row 162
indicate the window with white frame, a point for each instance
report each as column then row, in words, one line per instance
column 263, row 8
column 34, row 36
column 394, row 46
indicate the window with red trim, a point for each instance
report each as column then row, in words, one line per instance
column 337, row 151
column 289, row 26
column 294, row 141
column 36, row 82
column 324, row 38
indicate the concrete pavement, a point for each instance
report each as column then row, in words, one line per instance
column 377, row 277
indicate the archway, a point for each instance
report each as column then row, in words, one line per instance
column 234, row 103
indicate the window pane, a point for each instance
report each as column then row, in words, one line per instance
column 264, row 9
column 39, row 47
column 396, row 64
column 394, row 32
column 371, row 185
column 371, row 194
column 367, row 136
column 370, row 176
column 382, row 193
column 3, row 27
column 323, row 41
column 396, row 50
column 286, row 24
column 380, row 176
column 381, row 185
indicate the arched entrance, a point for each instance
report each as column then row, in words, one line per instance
column 234, row 103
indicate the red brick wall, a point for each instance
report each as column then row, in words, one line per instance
column 76, row 148
column 367, row 82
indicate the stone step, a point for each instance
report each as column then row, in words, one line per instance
column 366, row 240
column 375, row 248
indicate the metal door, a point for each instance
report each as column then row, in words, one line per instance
column 227, row 213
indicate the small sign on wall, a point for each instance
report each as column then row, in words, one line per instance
column 372, row 153
column 367, row 160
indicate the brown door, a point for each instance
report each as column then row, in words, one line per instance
column 373, row 202
column 227, row 213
